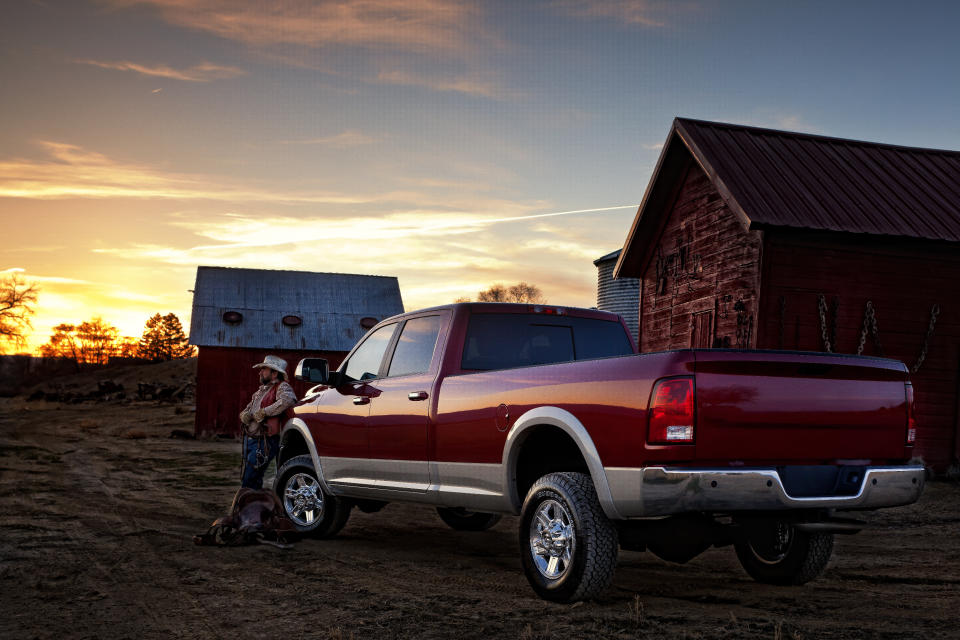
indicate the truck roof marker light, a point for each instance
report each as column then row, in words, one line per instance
column 550, row 311
column 911, row 417
column 670, row 417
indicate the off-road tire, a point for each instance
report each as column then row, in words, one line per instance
column 804, row 560
column 463, row 520
column 335, row 511
column 595, row 544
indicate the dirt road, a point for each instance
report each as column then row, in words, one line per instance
column 99, row 507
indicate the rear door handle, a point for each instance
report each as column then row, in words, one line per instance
column 361, row 400
column 417, row 395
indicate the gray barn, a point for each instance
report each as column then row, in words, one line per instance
column 241, row 315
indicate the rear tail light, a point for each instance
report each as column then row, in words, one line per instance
column 671, row 412
column 911, row 417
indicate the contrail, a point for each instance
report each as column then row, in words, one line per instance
column 398, row 230
column 548, row 215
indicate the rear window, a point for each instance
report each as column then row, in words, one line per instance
column 506, row 340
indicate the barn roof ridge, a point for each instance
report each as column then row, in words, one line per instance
column 814, row 136
column 314, row 273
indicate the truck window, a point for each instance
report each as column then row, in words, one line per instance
column 415, row 348
column 600, row 339
column 502, row 341
column 365, row 361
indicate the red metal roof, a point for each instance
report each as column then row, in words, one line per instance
column 784, row 179
column 781, row 179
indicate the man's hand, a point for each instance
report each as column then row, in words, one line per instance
column 259, row 415
column 246, row 417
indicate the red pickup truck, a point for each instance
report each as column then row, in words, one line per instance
column 549, row 413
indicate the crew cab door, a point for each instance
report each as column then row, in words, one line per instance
column 398, row 424
column 337, row 421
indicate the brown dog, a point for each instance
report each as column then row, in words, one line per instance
column 255, row 517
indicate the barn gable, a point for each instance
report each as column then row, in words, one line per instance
column 699, row 283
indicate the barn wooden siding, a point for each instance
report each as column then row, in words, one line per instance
column 699, row 288
column 226, row 380
column 903, row 280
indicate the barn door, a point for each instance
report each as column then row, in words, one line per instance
column 702, row 334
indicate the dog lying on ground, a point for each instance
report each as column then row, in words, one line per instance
column 255, row 517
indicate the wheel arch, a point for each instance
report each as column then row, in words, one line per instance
column 296, row 440
column 536, row 421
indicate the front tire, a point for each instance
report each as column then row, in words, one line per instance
column 777, row 553
column 313, row 512
column 568, row 546
column 463, row 520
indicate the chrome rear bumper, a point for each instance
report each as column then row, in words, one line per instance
column 656, row 491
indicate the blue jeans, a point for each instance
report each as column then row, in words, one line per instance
column 257, row 454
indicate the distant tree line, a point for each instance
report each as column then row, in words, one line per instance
column 96, row 342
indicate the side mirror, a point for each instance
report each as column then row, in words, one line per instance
column 315, row 370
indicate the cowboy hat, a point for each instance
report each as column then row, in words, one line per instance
column 275, row 363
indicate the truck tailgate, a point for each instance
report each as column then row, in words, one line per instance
column 762, row 407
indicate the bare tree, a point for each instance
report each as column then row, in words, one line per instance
column 17, row 299
column 523, row 292
column 496, row 293
column 520, row 292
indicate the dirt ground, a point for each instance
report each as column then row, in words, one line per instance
column 100, row 505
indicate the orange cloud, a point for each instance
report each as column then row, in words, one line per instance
column 483, row 85
column 71, row 171
column 205, row 72
column 409, row 25
column 628, row 11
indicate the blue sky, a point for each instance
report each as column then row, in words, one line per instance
column 140, row 138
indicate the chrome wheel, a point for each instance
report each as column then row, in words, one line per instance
column 303, row 499
column 552, row 539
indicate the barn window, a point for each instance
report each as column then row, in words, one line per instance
column 232, row 317
column 368, row 322
column 292, row 321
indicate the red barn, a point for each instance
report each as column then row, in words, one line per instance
column 755, row 238
column 241, row 315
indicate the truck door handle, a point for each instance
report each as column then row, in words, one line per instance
column 417, row 395
column 361, row 400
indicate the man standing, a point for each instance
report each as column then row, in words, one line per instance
column 263, row 419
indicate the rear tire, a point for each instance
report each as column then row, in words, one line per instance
column 568, row 546
column 313, row 512
column 463, row 520
column 777, row 553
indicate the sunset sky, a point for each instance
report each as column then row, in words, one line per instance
column 451, row 144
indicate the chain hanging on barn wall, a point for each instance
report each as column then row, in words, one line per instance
column 934, row 313
column 822, row 308
column 869, row 326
